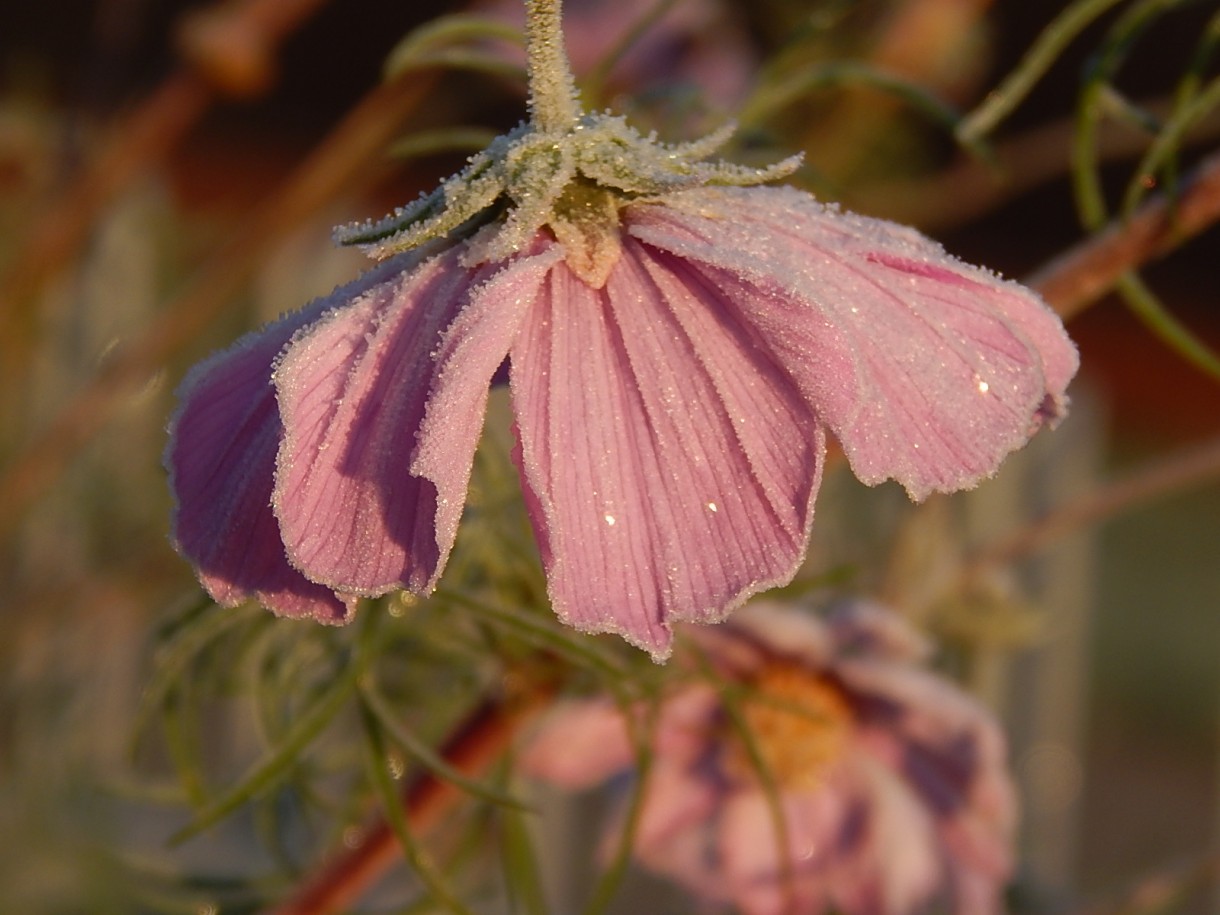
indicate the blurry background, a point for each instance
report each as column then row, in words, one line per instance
column 170, row 172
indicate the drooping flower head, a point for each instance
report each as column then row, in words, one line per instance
column 823, row 769
column 678, row 339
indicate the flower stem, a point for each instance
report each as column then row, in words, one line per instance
column 478, row 742
column 552, row 102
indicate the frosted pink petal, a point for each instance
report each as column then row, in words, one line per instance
column 221, row 460
column 354, row 391
column 473, row 348
column 670, row 466
column 928, row 370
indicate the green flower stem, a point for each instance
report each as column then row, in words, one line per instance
column 475, row 746
column 553, row 101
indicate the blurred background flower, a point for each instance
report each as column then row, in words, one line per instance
column 819, row 768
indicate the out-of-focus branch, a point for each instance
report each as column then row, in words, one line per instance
column 1186, row 468
column 227, row 49
column 970, row 187
column 1082, row 275
column 474, row 747
column 339, row 165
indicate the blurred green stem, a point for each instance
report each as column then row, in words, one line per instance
column 475, row 745
column 1016, row 86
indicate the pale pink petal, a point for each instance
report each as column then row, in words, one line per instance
column 686, row 723
column 897, row 865
column 673, row 835
column 928, row 370
column 354, row 391
column 579, row 744
column 669, row 464
column 815, row 824
column 221, row 460
column 766, row 629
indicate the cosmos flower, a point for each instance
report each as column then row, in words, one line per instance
column 678, row 341
column 868, row 785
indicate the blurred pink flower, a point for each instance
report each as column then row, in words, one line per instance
column 671, row 391
column 891, row 782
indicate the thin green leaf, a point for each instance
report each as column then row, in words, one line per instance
column 446, row 140
column 427, row 757
column 445, row 30
column 463, row 59
column 641, row 731
column 182, row 743
column 391, row 804
column 773, row 97
column 775, row 807
column 1040, row 57
column 1166, row 328
column 276, row 764
column 1165, row 148
column 1096, row 96
column 539, row 633
column 173, row 658
column 522, row 874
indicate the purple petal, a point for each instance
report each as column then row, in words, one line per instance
column 670, row 466
column 356, row 394
column 859, row 627
column 928, row 370
column 952, row 755
column 221, row 461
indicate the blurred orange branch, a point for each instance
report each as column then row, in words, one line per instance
column 1082, row 275
column 1188, row 467
column 339, row 165
column 228, row 49
column 475, row 746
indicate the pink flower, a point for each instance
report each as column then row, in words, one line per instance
column 887, row 785
column 678, row 341
column 672, row 386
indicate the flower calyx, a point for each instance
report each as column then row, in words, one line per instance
column 572, row 181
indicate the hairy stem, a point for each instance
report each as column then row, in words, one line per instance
column 552, row 91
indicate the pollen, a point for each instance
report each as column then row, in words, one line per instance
column 798, row 723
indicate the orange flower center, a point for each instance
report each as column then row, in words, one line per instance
column 798, row 724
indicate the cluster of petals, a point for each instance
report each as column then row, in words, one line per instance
column 670, row 422
column 912, row 812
